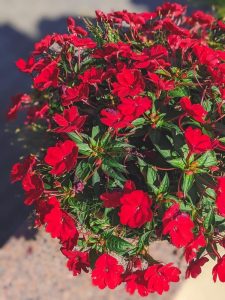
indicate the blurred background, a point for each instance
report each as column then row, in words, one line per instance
column 31, row 267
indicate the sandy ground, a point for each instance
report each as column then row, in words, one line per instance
column 35, row 270
column 31, row 267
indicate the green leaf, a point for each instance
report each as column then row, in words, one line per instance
column 84, row 149
column 139, row 122
column 142, row 164
column 211, row 251
column 163, row 72
column 75, row 137
column 144, row 240
column 187, row 183
column 162, row 144
column 95, row 131
column 82, row 170
column 222, row 140
column 118, row 245
column 177, row 163
column 209, row 220
column 207, row 104
column 105, row 138
column 151, row 176
column 164, row 186
column 151, row 179
column 113, row 174
column 208, row 159
column 93, row 256
column 95, row 178
column 179, row 92
column 114, row 164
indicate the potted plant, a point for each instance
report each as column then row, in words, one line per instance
column 133, row 106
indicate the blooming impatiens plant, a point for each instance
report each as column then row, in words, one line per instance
column 133, row 106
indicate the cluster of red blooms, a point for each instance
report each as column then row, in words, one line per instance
column 135, row 120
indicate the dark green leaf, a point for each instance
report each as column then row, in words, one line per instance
column 143, row 240
column 114, row 164
column 93, row 256
column 164, row 186
column 187, row 183
column 82, row 170
column 118, row 245
column 142, row 164
column 113, row 174
column 95, row 178
column 151, row 179
column 209, row 220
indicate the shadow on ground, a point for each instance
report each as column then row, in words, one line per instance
column 13, row 46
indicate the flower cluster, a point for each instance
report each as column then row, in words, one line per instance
column 134, row 108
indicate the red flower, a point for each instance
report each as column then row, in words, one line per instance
column 112, row 199
column 220, row 185
column 136, row 281
column 62, row 157
column 159, row 276
column 77, row 261
column 152, row 58
column 48, row 77
column 85, row 43
column 135, row 209
column 36, row 112
column 161, row 84
column 92, row 76
column 221, row 25
column 115, row 118
column 196, row 111
column 220, row 203
column 195, row 267
column 179, row 226
column 220, row 199
column 107, row 272
column 59, row 224
column 206, row 55
column 171, row 9
column 197, row 141
column 130, row 83
column 167, row 24
column 193, row 247
column 219, row 270
column 74, row 29
column 69, row 120
column 184, row 44
column 33, row 187
column 75, row 94
column 26, row 67
column 126, row 113
column 202, row 18
column 134, row 107
column 112, row 50
column 17, row 103
column 19, row 170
